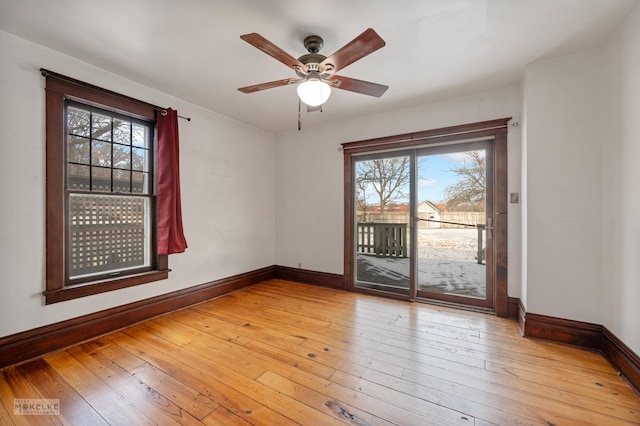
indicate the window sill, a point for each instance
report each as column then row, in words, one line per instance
column 97, row 287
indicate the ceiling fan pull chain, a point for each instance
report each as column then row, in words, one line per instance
column 299, row 116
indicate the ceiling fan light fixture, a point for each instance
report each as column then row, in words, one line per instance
column 313, row 91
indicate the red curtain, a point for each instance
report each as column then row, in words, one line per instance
column 170, row 233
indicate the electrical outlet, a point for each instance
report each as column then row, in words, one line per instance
column 514, row 197
column 299, row 265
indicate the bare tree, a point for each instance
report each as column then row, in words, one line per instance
column 468, row 193
column 107, row 145
column 387, row 177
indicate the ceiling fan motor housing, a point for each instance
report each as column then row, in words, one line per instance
column 313, row 43
column 313, row 59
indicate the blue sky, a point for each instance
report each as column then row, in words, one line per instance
column 434, row 175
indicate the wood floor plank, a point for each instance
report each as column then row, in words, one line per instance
column 202, row 380
column 470, row 350
column 112, row 406
column 206, row 357
column 335, row 339
column 223, row 417
column 329, row 406
column 380, row 405
column 245, row 383
column 588, row 386
column 534, row 402
column 221, row 325
column 208, row 324
column 192, row 401
column 147, row 400
column 294, row 356
column 178, row 335
column 361, row 369
column 442, row 336
column 284, row 353
column 116, row 354
column 275, row 358
column 405, row 336
column 50, row 385
column 5, row 418
column 480, row 405
column 21, row 388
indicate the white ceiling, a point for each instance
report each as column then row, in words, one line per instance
column 435, row 49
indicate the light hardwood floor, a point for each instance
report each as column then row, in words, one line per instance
column 281, row 353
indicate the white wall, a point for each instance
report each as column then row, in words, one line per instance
column 310, row 169
column 621, row 178
column 228, row 191
column 564, row 187
column 581, row 204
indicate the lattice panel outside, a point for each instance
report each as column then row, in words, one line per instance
column 107, row 233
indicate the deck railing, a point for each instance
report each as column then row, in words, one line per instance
column 382, row 239
column 390, row 239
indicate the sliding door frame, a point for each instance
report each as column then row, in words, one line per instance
column 494, row 129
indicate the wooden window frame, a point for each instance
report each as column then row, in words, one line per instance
column 59, row 89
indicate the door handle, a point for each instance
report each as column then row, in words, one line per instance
column 489, row 228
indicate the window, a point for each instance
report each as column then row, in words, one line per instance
column 101, row 196
column 108, row 195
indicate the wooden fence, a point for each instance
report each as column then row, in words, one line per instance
column 469, row 218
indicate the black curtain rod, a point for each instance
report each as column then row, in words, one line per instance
column 163, row 111
column 46, row 73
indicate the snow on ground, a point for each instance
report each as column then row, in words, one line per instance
column 446, row 264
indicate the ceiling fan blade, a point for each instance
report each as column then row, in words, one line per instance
column 366, row 43
column 268, row 85
column 358, row 86
column 272, row 50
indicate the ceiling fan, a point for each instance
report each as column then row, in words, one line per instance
column 316, row 72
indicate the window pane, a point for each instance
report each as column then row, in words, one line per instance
column 121, row 180
column 122, row 157
column 140, row 182
column 101, row 154
column 101, row 127
column 107, row 234
column 382, row 216
column 78, row 177
column 121, row 131
column 78, row 122
column 140, row 136
column 100, row 179
column 77, row 150
column 140, row 160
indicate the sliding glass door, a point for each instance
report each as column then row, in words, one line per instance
column 426, row 216
column 382, row 222
column 454, row 248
